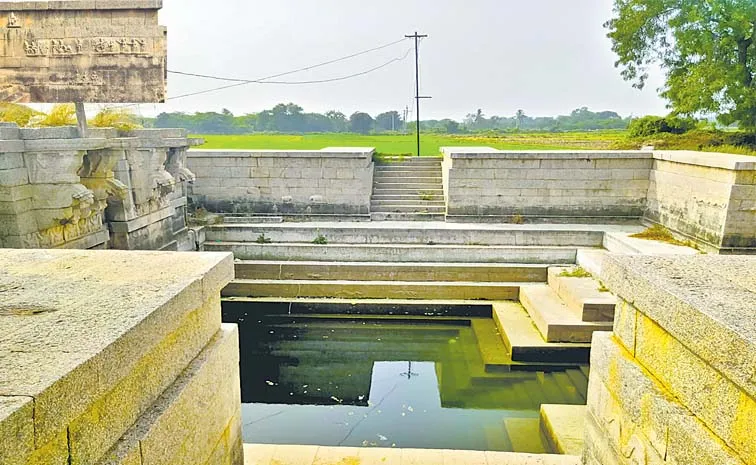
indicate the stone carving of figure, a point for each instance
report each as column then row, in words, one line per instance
column 13, row 20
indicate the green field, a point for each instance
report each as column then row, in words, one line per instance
column 406, row 144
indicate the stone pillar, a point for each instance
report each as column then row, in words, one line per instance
column 152, row 215
column 47, row 204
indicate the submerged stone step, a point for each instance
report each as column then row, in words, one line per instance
column 554, row 320
column 525, row 343
column 396, row 253
column 371, row 289
column 472, row 272
column 563, row 426
column 496, row 358
column 583, row 296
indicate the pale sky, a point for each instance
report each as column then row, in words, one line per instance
column 547, row 57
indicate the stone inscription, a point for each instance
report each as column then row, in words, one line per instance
column 92, row 52
column 13, row 21
column 72, row 47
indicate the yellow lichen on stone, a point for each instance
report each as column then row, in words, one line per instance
column 744, row 428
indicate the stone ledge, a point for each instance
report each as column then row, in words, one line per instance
column 708, row 159
column 477, row 154
column 705, row 302
column 52, row 297
column 82, row 5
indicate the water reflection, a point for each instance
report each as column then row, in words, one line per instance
column 371, row 382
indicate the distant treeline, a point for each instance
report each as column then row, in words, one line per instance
column 290, row 118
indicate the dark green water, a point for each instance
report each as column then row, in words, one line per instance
column 363, row 381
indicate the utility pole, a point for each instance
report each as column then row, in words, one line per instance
column 417, row 38
column 404, row 120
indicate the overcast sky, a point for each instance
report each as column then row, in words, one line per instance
column 547, row 57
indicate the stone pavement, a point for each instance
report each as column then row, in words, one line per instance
column 266, row 454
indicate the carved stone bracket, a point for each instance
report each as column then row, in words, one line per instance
column 97, row 174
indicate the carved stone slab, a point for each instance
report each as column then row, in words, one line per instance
column 82, row 51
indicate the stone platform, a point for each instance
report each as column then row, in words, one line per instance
column 265, row 454
column 110, row 357
column 674, row 383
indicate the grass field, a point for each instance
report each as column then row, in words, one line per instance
column 406, row 144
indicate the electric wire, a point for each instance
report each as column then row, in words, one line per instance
column 306, row 68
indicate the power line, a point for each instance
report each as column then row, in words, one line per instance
column 320, row 81
column 306, row 68
column 417, row 37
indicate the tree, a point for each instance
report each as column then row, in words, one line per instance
column 520, row 116
column 707, row 49
column 360, row 123
column 389, row 121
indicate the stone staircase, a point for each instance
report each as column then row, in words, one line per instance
column 408, row 189
column 13, row 94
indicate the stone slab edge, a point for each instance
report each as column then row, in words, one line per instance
column 709, row 314
column 82, row 5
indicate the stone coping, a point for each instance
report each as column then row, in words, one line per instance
column 82, row 5
column 479, row 153
column 706, row 302
column 74, row 320
column 338, row 152
column 709, row 159
column 67, row 138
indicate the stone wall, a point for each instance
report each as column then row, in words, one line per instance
column 559, row 186
column 708, row 197
column 674, row 383
column 114, row 358
column 82, row 51
column 104, row 191
column 332, row 181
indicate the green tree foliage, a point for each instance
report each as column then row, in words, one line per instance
column 290, row 118
column 389, row 121
column 706, row 47
column 360, row 123
column 652, row 125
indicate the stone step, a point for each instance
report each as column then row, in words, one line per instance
column 554, row 320
column 563, row 426
column 407, row 191
column 371, row 289
column 524, row 342
column 583, row 296
column 258, row 454
column 409, row 167
column 390, row 174
column 367, row 233
column 472, row 272
column 496, row 357
column 417, row 186
column 441, row 209
column 396, row 253
column 399, row 161
column 411, row 198
column 385, row 216
column 414, row 202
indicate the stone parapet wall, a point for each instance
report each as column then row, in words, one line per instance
column 332, row 181
column 708, row 197
column 674, row 383
column 108, row 190
column 142, row 388
column 577, row 186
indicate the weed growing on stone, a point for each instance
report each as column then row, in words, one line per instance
column 426, row 195
column 658, row 232
column 262, row 239
column 517, row 219
column 578, row 272
column 320, row 240
column 602, row 287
